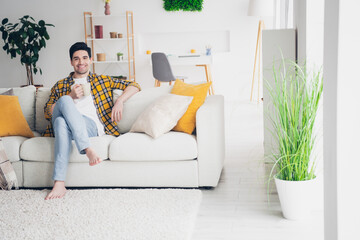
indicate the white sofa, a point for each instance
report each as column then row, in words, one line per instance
column 133, row 159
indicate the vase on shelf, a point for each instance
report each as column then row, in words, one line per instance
column 107, row 9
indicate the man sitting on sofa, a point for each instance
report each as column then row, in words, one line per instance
column 81, row 106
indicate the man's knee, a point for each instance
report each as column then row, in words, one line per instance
column 63, row 103
column 59, row 123
column 65, row 100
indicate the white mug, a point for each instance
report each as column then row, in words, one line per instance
column 86, row 89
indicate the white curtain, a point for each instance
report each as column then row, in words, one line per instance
column 284, row 14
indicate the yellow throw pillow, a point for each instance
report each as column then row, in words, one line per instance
column 188, row 121
column 12, row 120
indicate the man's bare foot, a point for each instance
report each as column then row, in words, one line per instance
column 58, row 190
column 93, row 157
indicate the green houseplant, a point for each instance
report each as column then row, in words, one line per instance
column 25, row 39
column 295, row 96
column 120, row 56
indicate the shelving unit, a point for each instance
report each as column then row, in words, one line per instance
column 127, row 41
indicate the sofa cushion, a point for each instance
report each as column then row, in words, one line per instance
column 27, row 102
column 41, row 149
column 135, row 105
column 12, row 147
column 12, row 120
column 187, row 122
column 42, row 96
column 9, row 92
column 162, row 115
column 171, row 146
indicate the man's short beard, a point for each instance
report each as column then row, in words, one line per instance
column 80, row 72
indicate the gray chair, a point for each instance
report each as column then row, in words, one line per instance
column 162, row 70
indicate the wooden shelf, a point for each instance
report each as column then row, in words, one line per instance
column 128, row 39
column 107, row 16
column 109, row 39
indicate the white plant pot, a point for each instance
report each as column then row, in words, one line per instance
column 296, row 197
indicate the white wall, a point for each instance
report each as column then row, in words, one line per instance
column 342, row 117
column 231, row 71
column 309, row 22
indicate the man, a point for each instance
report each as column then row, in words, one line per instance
column 75, row 116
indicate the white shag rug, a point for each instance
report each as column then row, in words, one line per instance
column 99, row 214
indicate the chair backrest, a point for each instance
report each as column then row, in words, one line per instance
column 161, row 67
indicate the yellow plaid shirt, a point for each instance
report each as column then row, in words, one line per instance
column 101, row 91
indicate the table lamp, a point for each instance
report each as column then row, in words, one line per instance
column 259, row 8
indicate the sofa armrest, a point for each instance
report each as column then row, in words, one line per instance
column 210, row 132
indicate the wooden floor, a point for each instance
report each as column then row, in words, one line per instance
column 238, row 208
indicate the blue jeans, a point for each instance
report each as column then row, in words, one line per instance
column 68, row 125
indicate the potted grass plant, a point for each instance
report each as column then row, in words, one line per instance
column 295, row 96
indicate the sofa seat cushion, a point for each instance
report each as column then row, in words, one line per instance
column 41, row 149
column 172, row 146
column 12, row 146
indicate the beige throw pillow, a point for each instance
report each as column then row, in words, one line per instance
column 162, row 115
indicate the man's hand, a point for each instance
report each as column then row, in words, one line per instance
column 116, row 113
column 76, row 92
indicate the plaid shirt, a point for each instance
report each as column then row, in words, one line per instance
column 101, row 91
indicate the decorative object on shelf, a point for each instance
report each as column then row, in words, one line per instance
column 184, row 5
column 120, row 56
column 107, row 7
column 113, row 34
column 26, row 39
column 148, row 52
column 101, row 57
column 295, row 96
column 120, row 35
column 193, row 51
column 98, row 31
column 259, row 8
column 208, row 50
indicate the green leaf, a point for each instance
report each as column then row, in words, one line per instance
column 42, row 23
column 36, row 50
column 46, row 35
column 24, row 35
column 4, row 21
column 35, row 70
column 13, row 53
column 31, row 32
column 34, row 58
column 51, row 25
column 43, row 43
column 6, row 47
column 4, row 35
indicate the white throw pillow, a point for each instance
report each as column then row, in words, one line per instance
column 162, row 115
